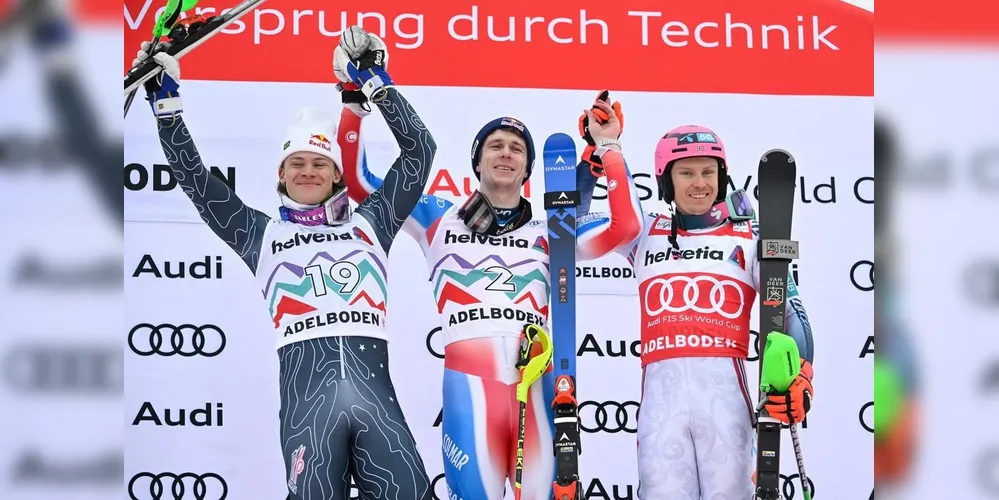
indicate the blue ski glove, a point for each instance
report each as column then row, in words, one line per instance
column 367, row 62
column 162, row 90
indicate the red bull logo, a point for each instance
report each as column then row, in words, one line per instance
column 512, row 122
column 320, row 140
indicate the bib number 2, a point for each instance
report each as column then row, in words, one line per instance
column 345, row 274
column 503, row 281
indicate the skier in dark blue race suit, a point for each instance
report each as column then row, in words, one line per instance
column 322, row 271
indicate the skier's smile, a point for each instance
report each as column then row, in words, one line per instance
column 309, row 177
column 504, row 157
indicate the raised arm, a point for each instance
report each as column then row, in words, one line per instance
column 361, row 182
column 239, row 226
column 601, row 234
column 361, row 59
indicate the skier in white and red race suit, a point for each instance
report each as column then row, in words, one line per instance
column 488, row 261
column 698, row 276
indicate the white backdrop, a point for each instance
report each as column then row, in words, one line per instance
column 241, row 125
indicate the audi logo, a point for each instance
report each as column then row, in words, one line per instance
column 863, row 281
column 701, row 294
column 65, row 369
column 185, row 340
column 609, row 416
column 866, row 416
column 439, row 489
column 982, row 283
column 755, row 354
column 435, row 343
column 171, row 486
column 790, row 485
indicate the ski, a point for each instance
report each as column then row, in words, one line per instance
column 184, row 36
column 561, row 199
column 777, row 174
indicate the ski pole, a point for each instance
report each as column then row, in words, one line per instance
column 174, row 8
column 781, row 365
column 531, row 370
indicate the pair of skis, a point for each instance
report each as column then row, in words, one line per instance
column 777, row 175
column 182, row 36
column 561, row 199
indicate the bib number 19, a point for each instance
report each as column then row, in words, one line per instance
column 345, row 274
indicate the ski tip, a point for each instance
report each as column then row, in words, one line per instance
column 559, row 140
column 774, row 154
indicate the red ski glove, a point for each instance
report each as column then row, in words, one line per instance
column 791, row 405
column 596, row 167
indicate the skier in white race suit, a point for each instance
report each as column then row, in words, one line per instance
column 697, row 278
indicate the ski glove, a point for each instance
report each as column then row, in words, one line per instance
column 350, row 92
column 161, row 90
column 790, row 406
column 366, row 64
column 589, row 152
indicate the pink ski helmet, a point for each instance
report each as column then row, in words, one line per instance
column 688, row 141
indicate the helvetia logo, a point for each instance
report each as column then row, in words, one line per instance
column 451, row 238
column 705, row 253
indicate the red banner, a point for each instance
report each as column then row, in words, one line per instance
column 793, row 47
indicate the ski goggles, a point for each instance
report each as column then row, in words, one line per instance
column 333, row 212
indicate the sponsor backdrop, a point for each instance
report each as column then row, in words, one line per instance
column 201, row 393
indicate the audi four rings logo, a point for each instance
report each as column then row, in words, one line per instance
column 755, row 354
column 867, row 416
column 185, row 340
column 790, row 485
column 435, row 342
column 608, row 416
column 172, row 486
column 701, row 294
column 862, row 275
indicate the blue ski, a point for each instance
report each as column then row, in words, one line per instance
column 561, row 199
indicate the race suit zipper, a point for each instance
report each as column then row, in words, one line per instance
column 343, row 374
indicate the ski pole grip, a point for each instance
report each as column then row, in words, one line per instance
column 888, row 396
column 537, row 365
column 781, row 363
